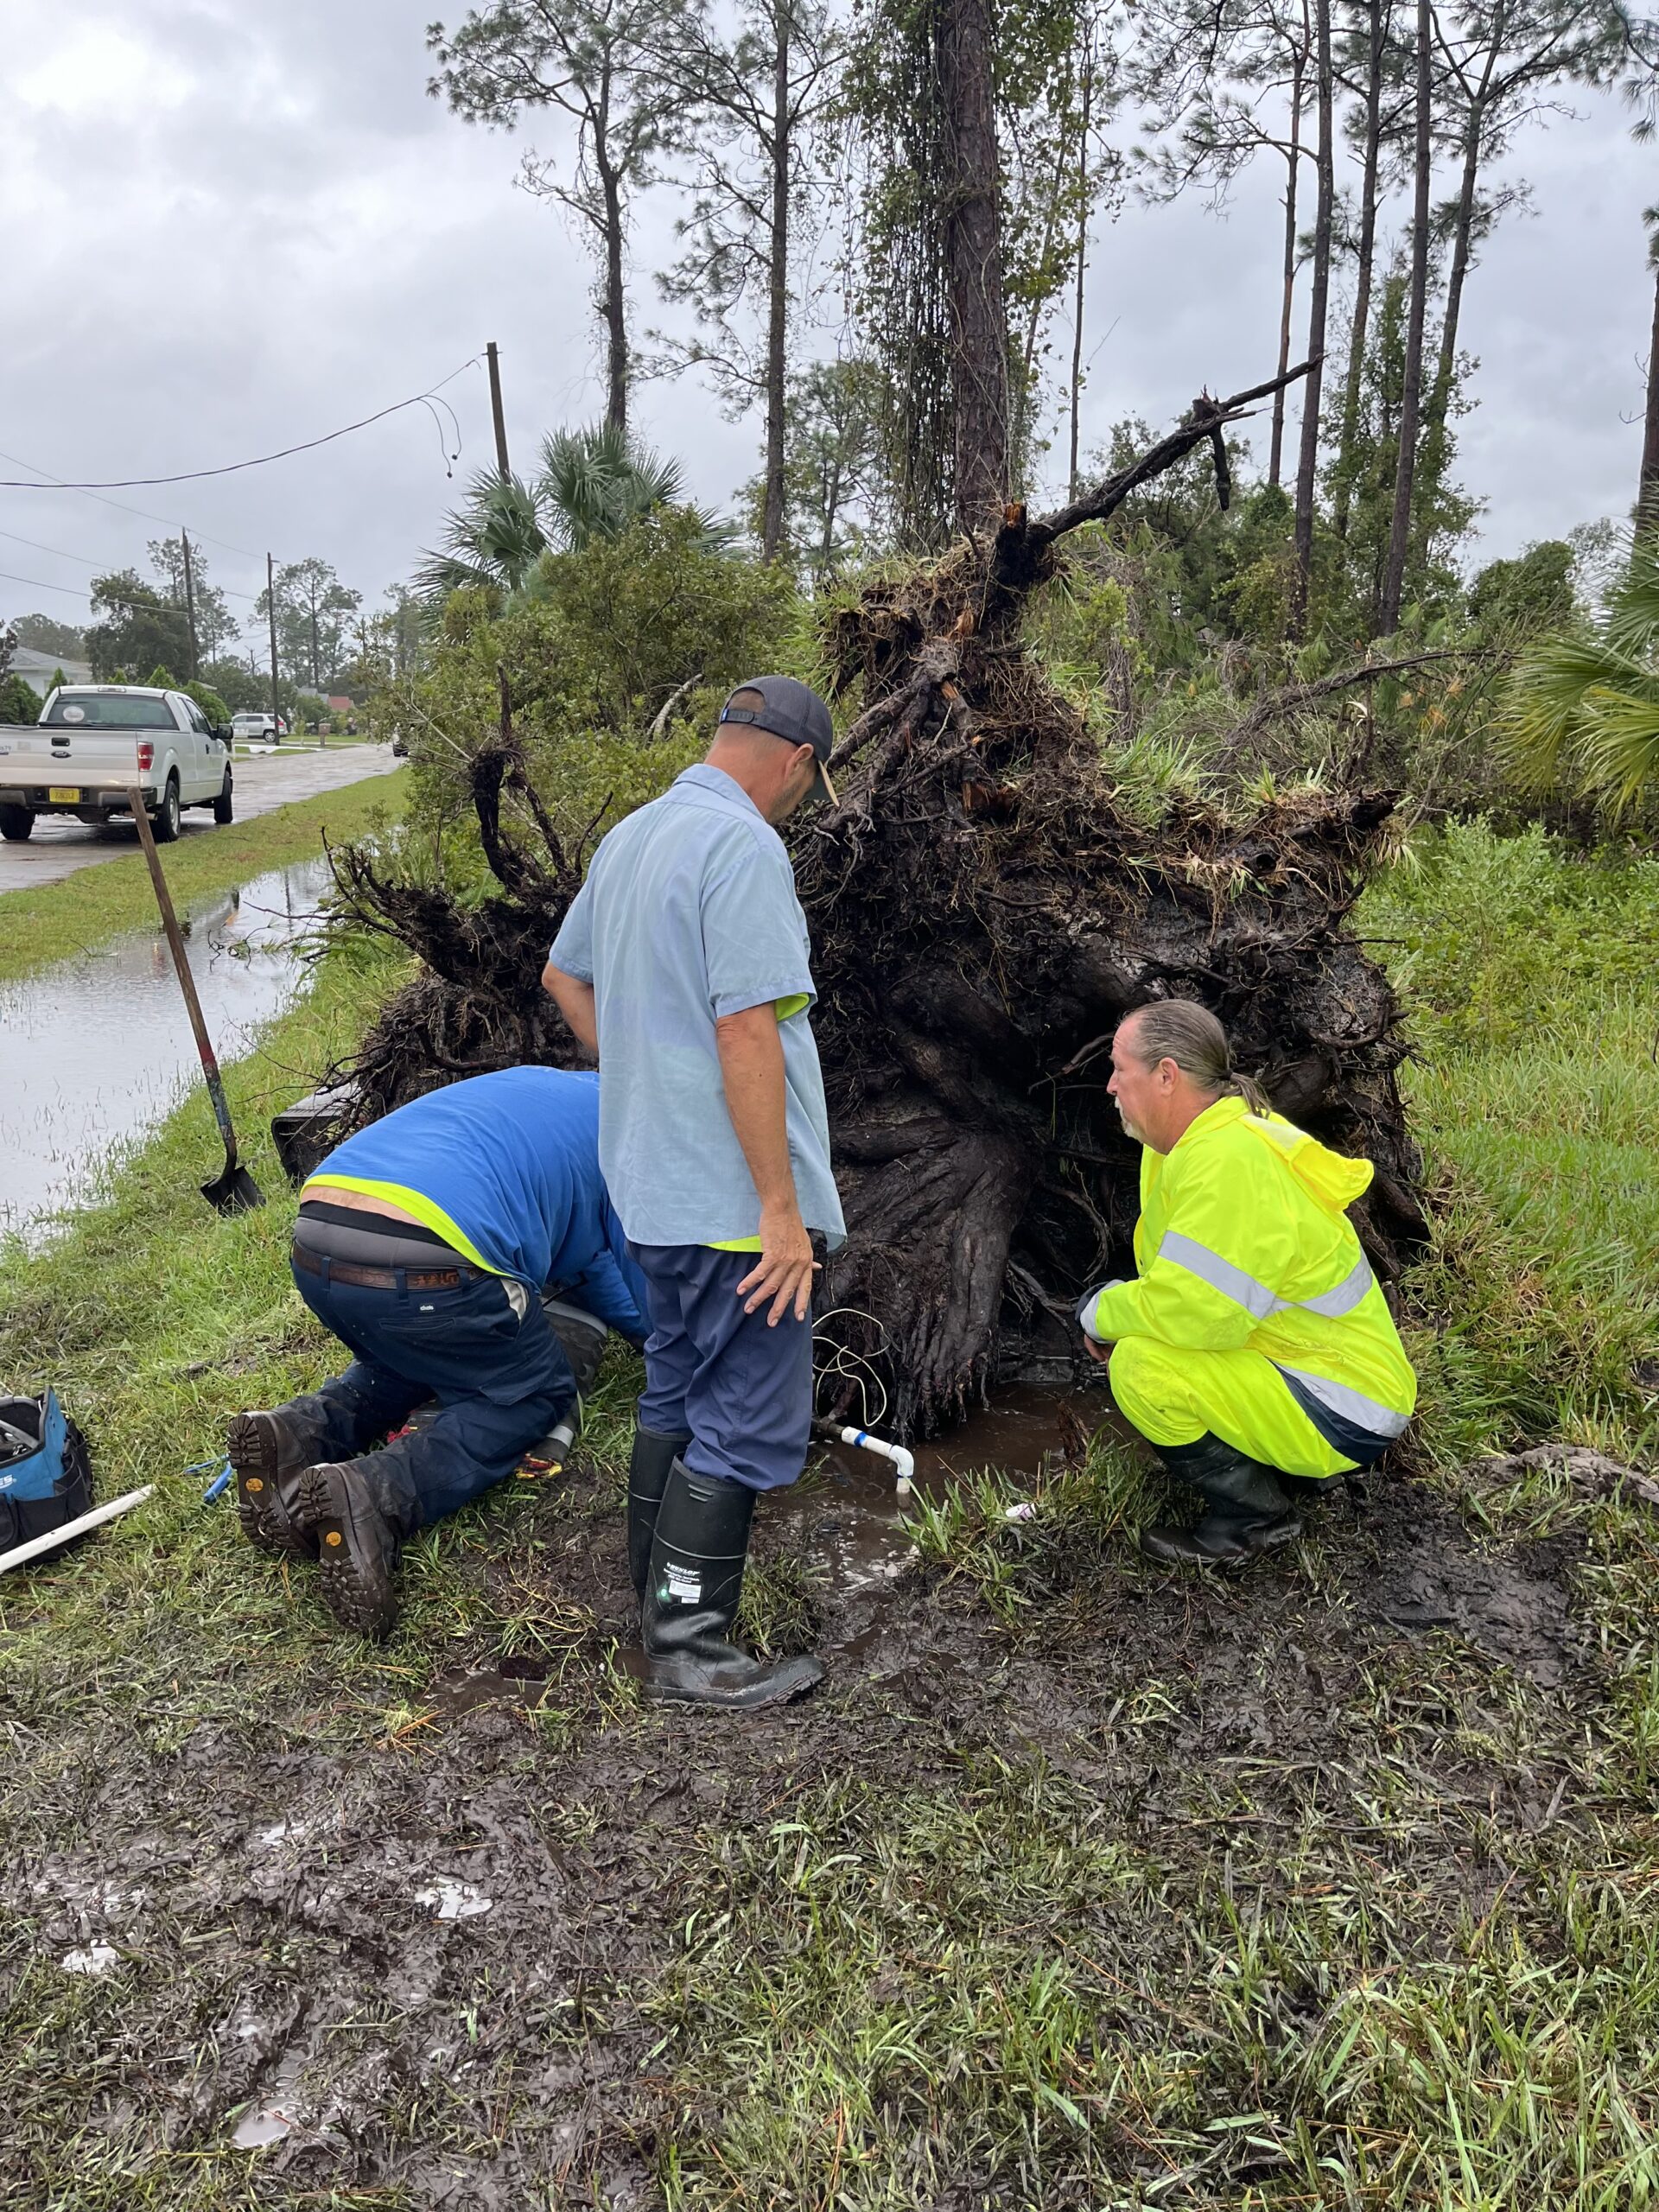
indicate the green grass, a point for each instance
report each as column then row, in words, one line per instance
column 99, row 902
column 1533, row 980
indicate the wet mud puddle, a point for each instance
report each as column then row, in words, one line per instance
column 95, row 1051
column 847, row 1520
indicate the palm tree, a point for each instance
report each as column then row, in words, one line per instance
column 1582, row 710
column 594, row 484
column 493, row 541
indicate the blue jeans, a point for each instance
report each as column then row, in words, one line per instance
column 501, row 1382
column 743, row 1391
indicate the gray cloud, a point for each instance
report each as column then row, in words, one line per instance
column 229, row 227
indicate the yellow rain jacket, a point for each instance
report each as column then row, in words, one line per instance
column 1243, row 1243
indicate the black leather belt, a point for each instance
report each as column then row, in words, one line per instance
column 347, row 1271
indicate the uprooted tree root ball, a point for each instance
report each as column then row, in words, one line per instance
column 982, row 916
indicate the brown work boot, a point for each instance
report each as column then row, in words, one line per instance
column 359, row 1545
column 268, row 1454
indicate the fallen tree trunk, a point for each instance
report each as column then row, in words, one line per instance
column 982, row 916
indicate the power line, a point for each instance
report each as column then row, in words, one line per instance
column 231, row 469
column 169, row 522
column 86, row 561
column 69, row 591
column 157, row 605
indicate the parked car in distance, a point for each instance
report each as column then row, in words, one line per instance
column 96, row 744
column 249, row 727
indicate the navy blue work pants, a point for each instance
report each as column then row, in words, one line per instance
column 743, row 1391
column 501, row 1381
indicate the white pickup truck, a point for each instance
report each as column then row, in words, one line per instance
column 97, row 743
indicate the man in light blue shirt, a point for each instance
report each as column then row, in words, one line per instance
column 683, row 964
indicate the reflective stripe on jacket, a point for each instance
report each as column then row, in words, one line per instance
column 1243, row 1242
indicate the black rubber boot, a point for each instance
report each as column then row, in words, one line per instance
column 267, row 1453
column 654, row 1455
column 357, row 1514
column 582, row 1338
column 698, row 1558
column 1248, row 1510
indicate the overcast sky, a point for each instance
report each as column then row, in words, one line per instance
column 228, row 228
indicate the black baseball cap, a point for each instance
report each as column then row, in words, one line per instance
column 793, row 711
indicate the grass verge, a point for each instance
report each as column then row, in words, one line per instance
column 97, row 903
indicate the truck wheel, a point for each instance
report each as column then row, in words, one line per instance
column 17, row 823
column 166, row 817
column 223, row 806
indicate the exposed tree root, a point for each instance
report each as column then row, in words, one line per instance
column 982, row 916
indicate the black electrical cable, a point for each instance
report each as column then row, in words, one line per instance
column 87, row 562
column 122, row 508
column 84, row 591
column 233, row 467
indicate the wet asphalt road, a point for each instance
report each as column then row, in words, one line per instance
column 60, row 845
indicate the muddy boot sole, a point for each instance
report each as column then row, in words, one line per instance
column 780, row 1684
column 253, row 1447
column 351, row 1563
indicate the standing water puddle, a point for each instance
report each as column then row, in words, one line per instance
column 95, row 1051
column 847, row 1508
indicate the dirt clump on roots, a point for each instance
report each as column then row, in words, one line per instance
column 983, row 912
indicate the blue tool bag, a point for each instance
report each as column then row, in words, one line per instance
column 46, row 1473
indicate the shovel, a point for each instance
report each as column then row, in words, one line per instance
column 235, row 1191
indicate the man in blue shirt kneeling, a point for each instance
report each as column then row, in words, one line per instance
column 683, row 964
column 425, row 1243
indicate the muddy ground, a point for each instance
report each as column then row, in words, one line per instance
column 274, row 1891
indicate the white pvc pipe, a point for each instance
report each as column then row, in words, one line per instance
column 904, row 1462
column 54, row 1537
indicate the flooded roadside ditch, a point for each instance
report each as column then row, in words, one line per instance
column 97, row 1051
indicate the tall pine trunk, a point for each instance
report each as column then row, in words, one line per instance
column 1083, row 262
column 1647, row 497
column 1393, row 574
column 1463, row 228
column 772, row 525
column 1293, row 160
column 973, row 263
column 612, row 304
column 1366, row 256
column 1308, row 470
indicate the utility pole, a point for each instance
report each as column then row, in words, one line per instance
column 494, row 360
column 190, row 605
column 270, row 609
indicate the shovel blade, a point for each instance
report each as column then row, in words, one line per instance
column 234, row 1191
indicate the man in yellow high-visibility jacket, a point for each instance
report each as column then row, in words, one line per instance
column 1255, row 1341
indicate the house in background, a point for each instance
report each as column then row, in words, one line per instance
column 37, row 669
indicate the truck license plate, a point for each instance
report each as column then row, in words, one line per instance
column 63, row 794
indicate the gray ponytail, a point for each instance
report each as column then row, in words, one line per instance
column 1183, row 1031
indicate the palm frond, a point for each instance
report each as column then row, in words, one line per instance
column 494, row 537
column 1632, row 619
column 1620, row 746
column 1582, row 709
column 1543, row 717
column 594, row 482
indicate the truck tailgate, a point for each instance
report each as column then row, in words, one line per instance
column 79, row 761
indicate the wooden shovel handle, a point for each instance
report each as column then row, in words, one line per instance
column 186, row 981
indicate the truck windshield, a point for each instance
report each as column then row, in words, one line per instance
column 108, row 710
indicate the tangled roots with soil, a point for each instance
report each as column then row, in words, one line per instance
column 982, row 914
